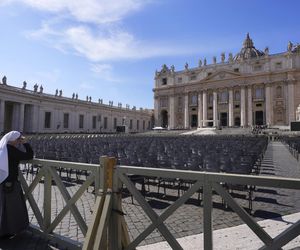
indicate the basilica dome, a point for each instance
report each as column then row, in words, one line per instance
column 248, row 51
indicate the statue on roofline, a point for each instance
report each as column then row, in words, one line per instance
column 4, row 79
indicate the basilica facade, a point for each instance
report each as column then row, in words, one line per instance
column 33, row 111
column 250, row 88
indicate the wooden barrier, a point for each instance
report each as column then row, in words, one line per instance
column 108, row 229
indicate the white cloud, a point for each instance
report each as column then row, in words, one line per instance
column 86, row 86
column 105, row 72
column 91, row 29
column 94, row 11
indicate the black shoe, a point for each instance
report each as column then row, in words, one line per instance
column 7, row 236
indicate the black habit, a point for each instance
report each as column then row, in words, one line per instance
column 13, row 210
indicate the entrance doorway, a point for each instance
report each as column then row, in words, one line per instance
column 164, row 118
column 194, row 121
column 237, row 121
column 223, row 119
column 210, row 123
column 259, row 117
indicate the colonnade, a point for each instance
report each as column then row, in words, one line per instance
column 245, row 102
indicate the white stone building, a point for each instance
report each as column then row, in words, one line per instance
column 37, row 112
column 250, row 88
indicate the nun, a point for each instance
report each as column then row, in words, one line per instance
column 13, row 210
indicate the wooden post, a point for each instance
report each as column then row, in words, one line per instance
column 108, row 229
column 115, row 227
column 47, row 199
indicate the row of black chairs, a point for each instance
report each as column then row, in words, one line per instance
column 226, row 154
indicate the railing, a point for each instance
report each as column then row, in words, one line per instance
column 108, row 228
column 47, row 172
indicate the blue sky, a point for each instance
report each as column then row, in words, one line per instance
column 110, row 49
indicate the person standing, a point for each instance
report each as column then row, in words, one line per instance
column 13, row 210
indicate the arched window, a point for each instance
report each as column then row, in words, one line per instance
column 237, row 95
column 210, row 99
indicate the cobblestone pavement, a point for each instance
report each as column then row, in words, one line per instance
column 187, row 219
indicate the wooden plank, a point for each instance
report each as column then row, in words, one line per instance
column 125, row 235
column 114, row 229
column 169, row 211
column 65, row 194
column 266, row 181
column 284, row 237
column 68, row 205
column 64, row 164
column 255, row 227
column 207, row 216
column 47, row 198
column 36, row 180
column 100, row 240
column 31, row 200
column 92, row 229
column 151, row 214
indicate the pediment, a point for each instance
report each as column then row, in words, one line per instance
column 222, row 75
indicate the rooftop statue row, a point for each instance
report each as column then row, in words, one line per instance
column 248, row 51
column 59, row 93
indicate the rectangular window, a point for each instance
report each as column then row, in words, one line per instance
column 179, row 79
column 236, row 70
column 257, row 67
column 66, row 120
column 164, row 102
column 130, row 124
column 164, row 81
column 115, row 123
column 237, row 96
column 137, row 124
column 194, row 100
column 180, row 102
column 47, row 123
column 105, row 123
column 193, row 77
column 81, row 120
column 278, row 65
column 94, row 122
column 149, row 124
column 223, row 97
column 143, row 125
column 259, row 93
column 210, row 99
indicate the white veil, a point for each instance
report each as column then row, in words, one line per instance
column 11, row 136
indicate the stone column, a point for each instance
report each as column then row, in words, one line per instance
column 2, row 110
column 35, row 123
column 172, row 112
column 230, row 108
column 156, row 111
column 215, row 109
column 186, row 112
column 200, row 110
column 21, row 115
column 268, row 105
column 291, row 102
column 243, row 107
column 250, row 112
column 204, row 94
column 15, row 116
